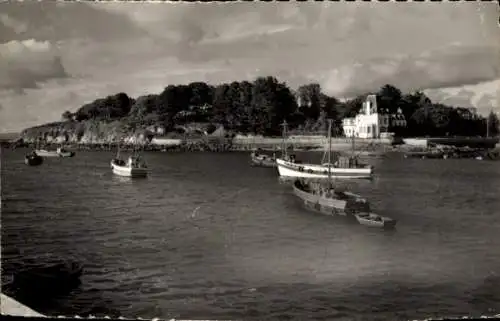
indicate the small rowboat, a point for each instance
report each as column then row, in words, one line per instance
column 375, row 220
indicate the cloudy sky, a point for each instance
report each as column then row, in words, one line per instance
column 57, row 56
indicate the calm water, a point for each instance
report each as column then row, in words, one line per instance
column 206, row 235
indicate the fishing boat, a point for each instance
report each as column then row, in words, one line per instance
column 32, row 159
column 342, row 167
column 134, row 166
column 262, row 160
column 375, row 220
column 329, row 199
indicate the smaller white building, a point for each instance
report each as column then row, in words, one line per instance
column 370, row 122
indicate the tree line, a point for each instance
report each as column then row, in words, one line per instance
column 258, row 107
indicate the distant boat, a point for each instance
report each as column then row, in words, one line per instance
column 134, row 166
column 65, row 153
column 46, row 153
column 33, row 159
column 59, row 152
column 426, row 154
column 262, row 160
column 374, row 220
column 343, row 167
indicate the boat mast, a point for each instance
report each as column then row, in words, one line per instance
column 283, row 145
column 352, row 146
column 488, row 127
column 118, row 149
column 329, row 153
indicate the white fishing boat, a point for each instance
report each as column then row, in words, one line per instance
column 375, row 220
column 134, row 166
column 342, row 167
column 330, row 199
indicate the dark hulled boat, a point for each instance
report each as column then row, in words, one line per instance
column 33, row 159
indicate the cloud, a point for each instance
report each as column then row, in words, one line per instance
column 484, row 96
column 56, row 21
column 450, row 66
column 140, row 48
column 26, row 63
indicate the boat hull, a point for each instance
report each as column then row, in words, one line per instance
column 46, row 153
column 384, row 222
column 331, row 206
column 33, row 160
column 128, row 171
column 289, row 169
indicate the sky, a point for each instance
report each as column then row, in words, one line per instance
column 57, row 56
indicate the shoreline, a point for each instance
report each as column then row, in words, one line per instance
column 209, row 147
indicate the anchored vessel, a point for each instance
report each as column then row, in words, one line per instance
column 60, row 152
column 374, row 220
column 258, row 159
column 33, row 159
column 134, row 166
column 336, row 200
column 343, row 167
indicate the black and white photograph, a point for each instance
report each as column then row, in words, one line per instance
column 250, row 160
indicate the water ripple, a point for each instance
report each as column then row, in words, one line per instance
column 208, row 236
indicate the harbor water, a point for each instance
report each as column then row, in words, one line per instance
column 209, row 236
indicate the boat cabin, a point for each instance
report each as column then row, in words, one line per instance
column 353, row 203
column 135, row 162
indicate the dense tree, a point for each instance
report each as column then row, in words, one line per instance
column 260, row 106
column 493, row 124
column 389, row 99
column 67, row 115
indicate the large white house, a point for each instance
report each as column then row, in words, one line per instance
column 370, row 122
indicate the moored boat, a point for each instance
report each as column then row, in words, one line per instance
column 262, row 160
column 33, row 159
column 59, row 152
column 426, row 154
column 342, row 167
column 47, row 153
column 375, row 220
column 65, row 153
column 134, row 166
column 329, row 200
